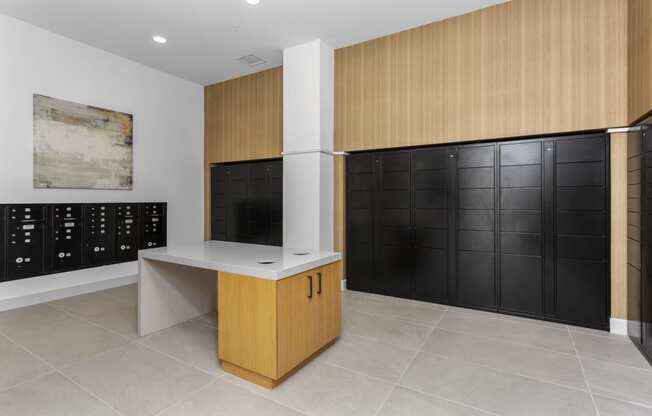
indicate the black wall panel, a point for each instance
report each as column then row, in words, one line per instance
column 518, row 227
column 38, row 239
column 247, row 202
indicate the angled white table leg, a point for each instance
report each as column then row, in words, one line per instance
column 169, row 294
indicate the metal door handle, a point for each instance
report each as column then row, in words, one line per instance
column 309, row 287
column 318, row 283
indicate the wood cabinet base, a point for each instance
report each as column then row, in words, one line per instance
column 268, row 383
column 269, row 329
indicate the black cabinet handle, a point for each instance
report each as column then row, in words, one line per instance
column 309, row 287
column 318, row 283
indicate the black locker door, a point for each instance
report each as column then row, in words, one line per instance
column 394, row 239
column 126, row 238
column 26, row 241
column 153, row 226
column 275, row 177
column 99, row 236
column 259, row 213
column 66, row 248
column 218, row 202
column 521, row 220
column 237, row 204
column 431, row 223
column 476, row 194
column 582, row 230
column 646, row 278
column 360, row 196
column 3, row 237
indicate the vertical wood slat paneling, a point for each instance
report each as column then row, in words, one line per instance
column 619, row 213
column 525, row 67
column 639, row 59
column 243, row 120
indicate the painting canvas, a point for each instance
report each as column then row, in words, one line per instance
column 80, row 146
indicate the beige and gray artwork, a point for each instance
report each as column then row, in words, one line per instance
column 80, row 146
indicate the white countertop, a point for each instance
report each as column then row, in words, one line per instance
column 242, row 258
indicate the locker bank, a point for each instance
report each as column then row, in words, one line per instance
column 271, row 207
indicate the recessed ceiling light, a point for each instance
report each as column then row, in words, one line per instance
column 159, row 39
column 253, row 2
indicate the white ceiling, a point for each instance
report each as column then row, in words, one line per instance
column 202, row 43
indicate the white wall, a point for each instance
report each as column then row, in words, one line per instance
column 168, row 122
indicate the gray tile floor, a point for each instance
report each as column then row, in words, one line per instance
column 82, row 356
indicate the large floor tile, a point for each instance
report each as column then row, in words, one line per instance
column 512, row 330
column 88, row 305
column 123, row 320
column 223, row 398
column 370, row 357
column 323, row 389
column 529, row 361
column 209, row 319
column 136, row 380
column 491, row 390
column 615, row 348
column 67, row 340
column 17, row 365
column 52, row 395
column 190, row 342
column 416, row 312
column 615, row 380
column 128, row 294
column 407, row 402
column 16, row 322
column 396, row 332
column 611, row 407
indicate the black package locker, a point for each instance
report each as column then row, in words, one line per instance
column 520, row 222
column 476, row 210
column 582, row 223
column 433, row 223
column 66, row 237
column 99, row 234
column 126, row 232
column 247, row 202
column 25, row 241
column 518, row 227
column 153, row 227
column 2, row 243
column 360, row 195
column 394, row 239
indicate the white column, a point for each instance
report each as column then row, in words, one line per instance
column 308, row 146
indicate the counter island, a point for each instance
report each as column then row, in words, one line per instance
column 276, row 307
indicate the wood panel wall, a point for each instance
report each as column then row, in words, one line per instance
column 525, row 67
column 639, row 58
column 243, row 120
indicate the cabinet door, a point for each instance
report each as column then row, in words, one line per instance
column 329, row 295
column 298, row 320
column 582, row 230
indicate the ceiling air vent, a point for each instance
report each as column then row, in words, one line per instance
column 251, row 60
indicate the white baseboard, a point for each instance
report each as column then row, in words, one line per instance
column 618, row 326
column 24, row 292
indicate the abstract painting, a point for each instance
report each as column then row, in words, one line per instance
column 80, row 146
